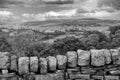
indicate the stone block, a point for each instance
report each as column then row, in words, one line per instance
column 52, row 63
column 13, row 63
column 74, row 70
column 61, row 61
column 72, row 58
column 23, row 65
column 115, row 72
column 58, row 76
column 33, row 64
column 108, row 56
column 96, row 77
column 4, row 71
column 4, row 60
column 83, row 58
column 9, row 76
column 111, row 77
column 43, row 65
column 29, row 77
column 97, row 57
column 115, row 56
column 88, row 71
column 79, row 76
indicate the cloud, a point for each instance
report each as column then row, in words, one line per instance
column 103, row 15
column 58, row 1
column 50, row 15
column 55, row 9
column 7, row 16
column 9, row 3
column 113, row 3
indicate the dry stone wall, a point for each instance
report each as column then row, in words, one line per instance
column 81, row 65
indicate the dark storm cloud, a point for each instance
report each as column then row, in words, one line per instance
column 112, row 3
column 58, row 1
column 8, row 3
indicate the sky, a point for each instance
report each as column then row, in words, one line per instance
column 40, row 10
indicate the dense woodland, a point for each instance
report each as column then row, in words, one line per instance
column 30, row 45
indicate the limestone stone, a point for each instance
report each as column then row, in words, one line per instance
column 115, row 56
column 79, row 76
column 13, row 63
column 4, row 71
column 61, row 61
column 29, row 77
column 33, row 64
column 108, row 56
column 108, row 77
column 10, row 76
column 115, row 72
column 72, row 59
column 52, row 63
column 55, row 76
column 23, row 65
column 97, row 57
column 43, row 65
column 98, row 77
column 83, row 57
column 74, row 70
column 4, row 60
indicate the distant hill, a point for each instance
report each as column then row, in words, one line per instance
column 71, row 22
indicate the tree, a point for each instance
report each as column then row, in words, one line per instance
column 114, row 29
column 61, row 46
column 4, row 45
column 91, row 41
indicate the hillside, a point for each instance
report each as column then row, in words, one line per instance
column 69, row 22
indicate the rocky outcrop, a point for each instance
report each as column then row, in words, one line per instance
column 83, row 58
column 72, row 58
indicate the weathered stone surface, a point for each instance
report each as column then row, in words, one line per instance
column 74, row 70
column 52, row 63
column 115, row 72
column 98, row 77
column 43, row 65
column 83, row 57
column 4, row 60
column 13, row 63
column 72, row 58
column 23, row 65
column 79, row 76
column 9, row 77
column 111, row 77
column 97, row 57
column 108, row 56
column 4, row 71
column 88, row 71
column 29, row 77
column 55, row 76
column 61, row 61
column 115, row 56
column 33, row 64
